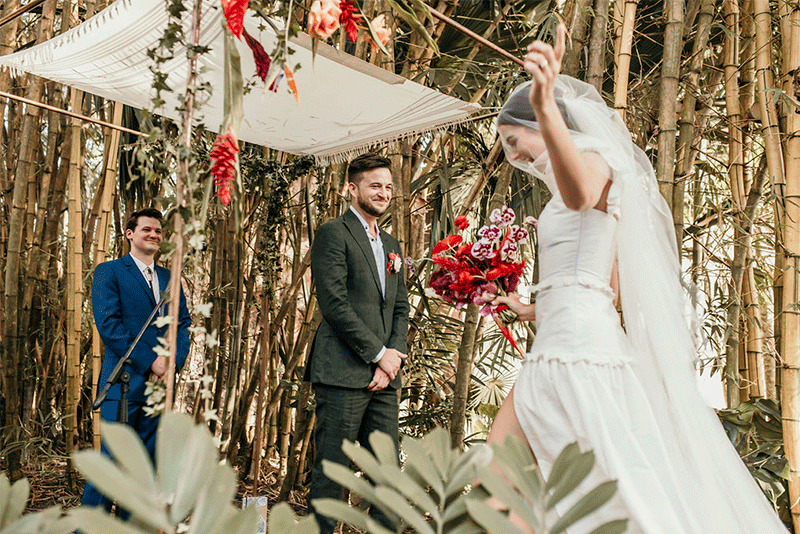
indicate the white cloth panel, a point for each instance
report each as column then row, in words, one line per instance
column 346, row 105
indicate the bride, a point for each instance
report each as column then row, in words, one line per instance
column 629, row 395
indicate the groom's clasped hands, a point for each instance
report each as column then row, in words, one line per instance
column 387, row 369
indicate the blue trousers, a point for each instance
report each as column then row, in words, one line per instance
column 348, row 414
column 144, row 426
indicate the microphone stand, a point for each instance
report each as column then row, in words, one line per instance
column 120, row 373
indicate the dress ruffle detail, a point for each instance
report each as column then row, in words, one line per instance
column 566, row 357
column 566, row 280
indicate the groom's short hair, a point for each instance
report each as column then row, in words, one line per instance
column 366, row 162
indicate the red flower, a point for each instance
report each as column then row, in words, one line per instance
column 234, row 15
column 223, row 167
column 462, row 223
column 260, row 56
column 348, row 19
column 447, row 243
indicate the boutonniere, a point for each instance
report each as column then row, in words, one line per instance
column 394, row 264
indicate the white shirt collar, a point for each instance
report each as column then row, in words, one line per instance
column 142, row 265
column 364, row 224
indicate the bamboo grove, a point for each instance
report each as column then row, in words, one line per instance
column 710, row 90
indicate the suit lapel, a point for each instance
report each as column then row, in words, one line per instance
column 137, row 274
column 391, row 277
column 360, row 235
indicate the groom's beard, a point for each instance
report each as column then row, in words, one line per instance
column 366, row 207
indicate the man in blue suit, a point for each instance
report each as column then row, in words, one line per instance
column 124, row 293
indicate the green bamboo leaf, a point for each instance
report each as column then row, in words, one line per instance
column 406, row 512
column 437, row 448
column 490, row 519
column 562, row 463
column 213, row 503
column 586, row 505
column 119, row 486
column 344, row 476
column 49, row 521
column 411, row 490
column 169, row 450
column 241, row 521
column 418, row 462
column 13, row 498
column 197, row 449
column 501, row 490
column 383, row 448
column 466, row 527
column 340, row 511
column 365, row 461
column 129, row 453
column 465, row 468
column 411, row 19
column 572, row 476
column 98, row 521
column 612, row 527
column 283, row 520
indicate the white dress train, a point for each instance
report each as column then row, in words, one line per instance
column 580, row 382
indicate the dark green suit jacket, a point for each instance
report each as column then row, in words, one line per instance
column 357, row 319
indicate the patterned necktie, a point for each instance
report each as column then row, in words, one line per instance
column 148, row 274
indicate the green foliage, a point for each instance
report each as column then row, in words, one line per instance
column 189, row 482
column 755, row 429
column 432, row 494
column 12, row 503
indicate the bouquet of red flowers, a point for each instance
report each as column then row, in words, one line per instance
column 478, row 269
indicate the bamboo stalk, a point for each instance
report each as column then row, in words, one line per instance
column 101, row 251
column 74, row 293
column 785, row 177
column 668, row 96
column 623, row 56
column 596, row 64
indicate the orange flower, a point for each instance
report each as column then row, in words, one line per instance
column 381, row 30
column 323, row 18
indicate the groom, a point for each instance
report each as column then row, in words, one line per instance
column 355, row 360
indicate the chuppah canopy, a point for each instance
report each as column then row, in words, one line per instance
column 345, row 105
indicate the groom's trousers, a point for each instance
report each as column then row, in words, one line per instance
column 348, row 414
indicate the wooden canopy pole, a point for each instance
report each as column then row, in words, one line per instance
column 475, row 37
column 71, row 114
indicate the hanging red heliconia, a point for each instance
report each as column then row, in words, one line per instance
column 349, row 18
column 223, row 164
column 234, row 15
column 262, row 59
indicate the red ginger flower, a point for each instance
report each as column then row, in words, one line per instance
column 234, row 15
column 348, row 19
column 260, row 56
column 462, row 223
column 223, row 167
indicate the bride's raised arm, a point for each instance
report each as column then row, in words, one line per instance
column 582, row 178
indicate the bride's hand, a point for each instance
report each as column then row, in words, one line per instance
column 526, row 312
column 543, row 63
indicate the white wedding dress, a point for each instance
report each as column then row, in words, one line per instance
column 580, row 382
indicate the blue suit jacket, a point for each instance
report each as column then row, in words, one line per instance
column 121, row 302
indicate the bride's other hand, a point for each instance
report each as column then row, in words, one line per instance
column 526, row 312
column 543, row 63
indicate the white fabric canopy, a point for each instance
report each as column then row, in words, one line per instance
column 346, row 105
